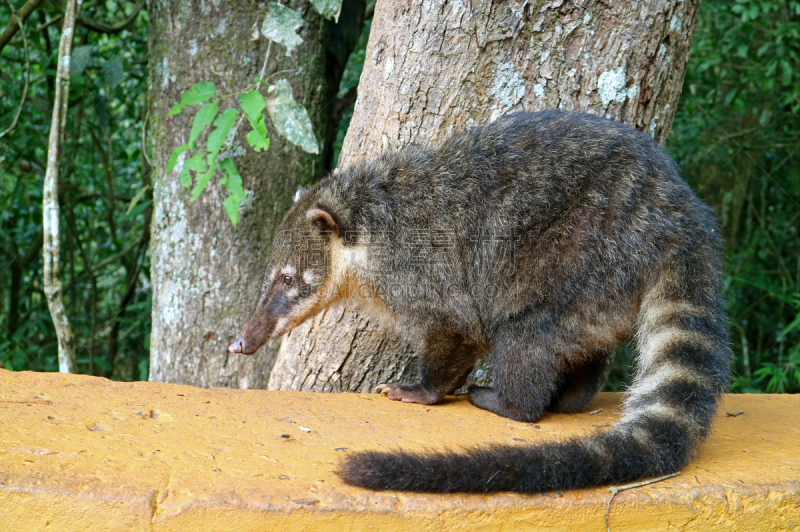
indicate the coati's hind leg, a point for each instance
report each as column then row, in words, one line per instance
column 525, row 373
column 444, row 364
column 580, row 382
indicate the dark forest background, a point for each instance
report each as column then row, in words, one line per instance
column 736, row 137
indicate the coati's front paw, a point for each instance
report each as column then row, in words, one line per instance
column 408, row 393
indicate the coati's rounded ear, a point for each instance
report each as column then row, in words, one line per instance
column 299, row 194
column 324, row 218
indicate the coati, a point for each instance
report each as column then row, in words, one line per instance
column 541, row 240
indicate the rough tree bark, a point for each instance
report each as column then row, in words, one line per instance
column 205, row 273
column 434, row 68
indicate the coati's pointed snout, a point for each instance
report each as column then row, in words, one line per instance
column 256, row 333
column 238, row 346
column 242, row 346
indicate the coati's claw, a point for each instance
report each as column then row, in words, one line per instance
column 408, row 393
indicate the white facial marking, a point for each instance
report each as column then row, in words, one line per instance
column 280, row 327
column 308, row 277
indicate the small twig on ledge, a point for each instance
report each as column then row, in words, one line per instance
column 734, row 414
column 29, row 402
column 595, row 411
column 616, row 489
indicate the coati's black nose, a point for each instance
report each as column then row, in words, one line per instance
column 237, row 346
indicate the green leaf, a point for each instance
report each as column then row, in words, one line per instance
column 202, row 180
column 253, row 104
column 223, row 124
column 185, row 177
column 79, row 59
column 741, row 50
column 290, row 118
column 136, row 211
column 786, row 69
column 197, row 94
column 232, row 180
column 113, row 71
column 280, row 25
column 203, row 118
column 103, row 363
column 231, row 205
column 258, row 137
column 789, row 328
column 144, row 369
column 173, row 157
column 136, row 199
column 329, row 9
column 195, row 163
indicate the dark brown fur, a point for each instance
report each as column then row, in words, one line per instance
column 541, row 240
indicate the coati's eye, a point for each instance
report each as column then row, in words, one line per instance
column 287, row 280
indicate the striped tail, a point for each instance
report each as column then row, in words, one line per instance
column 683, row 369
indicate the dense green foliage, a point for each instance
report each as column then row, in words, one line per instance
column 735, row 136
column 105, row 267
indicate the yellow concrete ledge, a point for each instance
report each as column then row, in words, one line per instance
column 82, row 454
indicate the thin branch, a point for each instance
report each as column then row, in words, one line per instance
column 729, row 136
column 50, row 208
column 99, row 27
column 144, row 132
column 104, row 28
column 369, row 12
column 279, row 72
column 786, row 277
column 109, row 183
column 252, row 86
column 15, row 23
column 40, row 29
column 127, row 297
column 113, row 258
column 27, row 72
column 340, row 105
column 44, row 26
column 23, row 260
column 100, row 195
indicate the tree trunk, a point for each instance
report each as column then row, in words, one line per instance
column 51, row 220
column 206, row 274
column 434, row 68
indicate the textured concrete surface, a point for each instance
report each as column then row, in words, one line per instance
column 81, row 454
